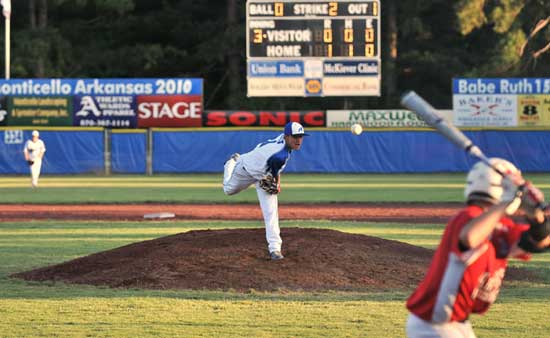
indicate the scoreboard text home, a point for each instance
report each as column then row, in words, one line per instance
column 313, row 48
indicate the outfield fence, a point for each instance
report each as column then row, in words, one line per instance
column 195, row 150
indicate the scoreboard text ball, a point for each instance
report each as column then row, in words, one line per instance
column 313, row 48
column 313, row 29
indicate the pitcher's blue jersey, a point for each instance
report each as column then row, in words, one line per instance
column 269, row 157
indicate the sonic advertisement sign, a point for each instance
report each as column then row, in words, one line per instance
column 226, row 118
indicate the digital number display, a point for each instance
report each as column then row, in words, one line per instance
column 343, row 29
column 313, row 48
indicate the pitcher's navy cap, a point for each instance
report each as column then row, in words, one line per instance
column 294, row 129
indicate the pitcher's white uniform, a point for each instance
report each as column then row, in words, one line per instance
column 34, row 151
column 268, row 157
column 262, row 166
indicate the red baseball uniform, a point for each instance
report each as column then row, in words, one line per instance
column 461, row 282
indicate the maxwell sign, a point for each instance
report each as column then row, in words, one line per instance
column 238, row 118
column 169, row 111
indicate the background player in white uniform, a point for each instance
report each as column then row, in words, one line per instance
column 262, row 166
column 34, row 152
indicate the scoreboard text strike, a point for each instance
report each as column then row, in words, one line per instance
column 315, row 48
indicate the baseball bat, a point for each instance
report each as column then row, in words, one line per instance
column 429, row 114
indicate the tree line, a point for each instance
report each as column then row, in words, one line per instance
column 425, row 43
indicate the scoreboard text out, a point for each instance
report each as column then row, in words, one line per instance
column 313, row 48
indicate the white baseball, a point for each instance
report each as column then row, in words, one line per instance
column 356, row 129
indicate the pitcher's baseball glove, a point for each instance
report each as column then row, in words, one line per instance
column 270, row 184
column 29, row 162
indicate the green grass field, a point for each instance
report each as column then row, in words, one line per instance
column 296, row 188
column 58, row 310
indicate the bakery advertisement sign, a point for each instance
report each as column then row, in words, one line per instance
column 485, row 110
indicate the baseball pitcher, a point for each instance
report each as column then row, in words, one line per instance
column 34, row 152
column 263, row 166
column 468, row 267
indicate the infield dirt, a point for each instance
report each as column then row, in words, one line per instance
column 236, row 259
column 375, row 212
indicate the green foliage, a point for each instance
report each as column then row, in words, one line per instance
column 120, row 7
column 504, row 13
column 437, row 41
column 470, row 15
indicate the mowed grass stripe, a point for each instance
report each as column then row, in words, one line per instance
column 48, row 309
column 215, row 178
column 358, row 185
column 455, row 178
column 207, row 188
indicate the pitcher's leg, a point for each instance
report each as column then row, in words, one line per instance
column 238, row 181
column 270, row 211
column 229, row 166
column 235, row 178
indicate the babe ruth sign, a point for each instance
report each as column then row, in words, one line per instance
column 501, row 102
column 313, row 48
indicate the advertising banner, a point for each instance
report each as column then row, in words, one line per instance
column 169, row 111
column 378, row 118
column 40, row 111
column 105, row 111
column 237, row 118
column 485, row 110
column 68, row 87
column 534, row 110
column 3, row 111
column 501, row 102
column 287, row 86
column 111, row 103
column 503, row 86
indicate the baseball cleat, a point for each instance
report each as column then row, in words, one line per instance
column 276, row 255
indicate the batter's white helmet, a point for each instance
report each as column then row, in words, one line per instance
column 483, row 183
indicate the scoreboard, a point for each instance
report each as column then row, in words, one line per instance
column 313, row 48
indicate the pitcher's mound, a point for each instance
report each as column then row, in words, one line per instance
column 237, row 259
column 315, row 259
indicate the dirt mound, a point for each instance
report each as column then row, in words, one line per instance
column 315, row 259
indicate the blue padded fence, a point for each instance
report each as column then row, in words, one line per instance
column 340, row 151
column 128, row 152
column 326, row 151
column 67, row 152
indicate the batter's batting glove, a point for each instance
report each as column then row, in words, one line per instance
column 270, row 184
column 532, row 199
column 515, row 203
